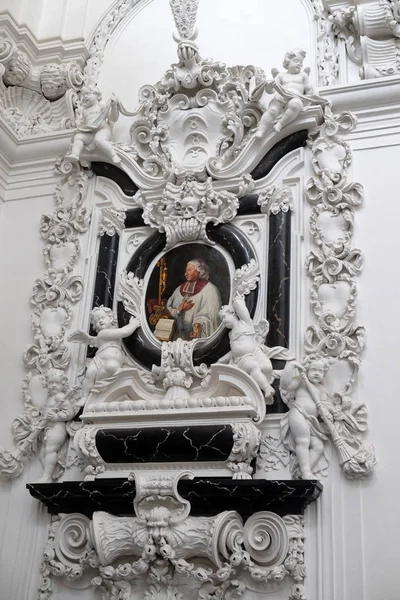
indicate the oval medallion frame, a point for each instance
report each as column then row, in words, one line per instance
column 142, row 346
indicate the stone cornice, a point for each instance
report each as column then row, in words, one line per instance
column 371, row 93
column 27, row 163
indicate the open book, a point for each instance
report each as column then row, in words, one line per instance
column 164, row 329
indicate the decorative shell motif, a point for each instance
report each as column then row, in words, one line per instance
column 29, row 113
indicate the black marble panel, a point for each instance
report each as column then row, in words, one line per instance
column 278, row 297
column 105, row 277
column 208, row 496
column 165, row 444
column 145, row 253
column 106, row 270
column 248, row 205
column 126, row 184
column 289, row 143
column 134, row 218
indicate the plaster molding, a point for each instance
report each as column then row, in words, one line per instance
column 112, row 221
column 370, row 30
column 184, row 211
column 34, row 73
column 42, row 51
column 335, row 342
column 98, row 41
column 328, row 54
column 50, row 403
column 185, row 13
column 364, row 95
column 159, row 543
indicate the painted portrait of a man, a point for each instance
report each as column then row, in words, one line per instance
column 195, row 303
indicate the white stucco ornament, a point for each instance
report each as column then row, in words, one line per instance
column 316, row 415
column 371, row 33
column 292, row 92
column 184, row 211
column 248, row 351
column 110, row 356
column 165, row 553
column 94, row 121
column 44, row 427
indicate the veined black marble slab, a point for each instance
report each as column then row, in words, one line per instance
column 289, row 143
column 105, row 277
column 120, row 177
column 134, row 218
column 165, row 444
column 278, row 297
column 208, row 496
column 248, row 205
column 106, row 270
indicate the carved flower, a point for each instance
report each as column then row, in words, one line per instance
column 57, row 290
column 298, row 593
column 108, row 572
column 290, row 563
column 332, row 195
column 335, row 343
column 149, row 551
column 55, row 231
column 332, row 267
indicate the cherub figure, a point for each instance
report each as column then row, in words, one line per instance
column 110, row 356
column 305, row 393
column 292, row 91
column 61, row 406
column 248, row 351
column 94, row 122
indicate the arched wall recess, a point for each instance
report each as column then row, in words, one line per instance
column 206, row 161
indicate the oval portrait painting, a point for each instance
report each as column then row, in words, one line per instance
column 185, row 292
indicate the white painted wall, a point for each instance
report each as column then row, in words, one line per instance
column 353, row 530
column 65, row 19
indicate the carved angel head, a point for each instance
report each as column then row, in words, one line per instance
column 56, row 381
column 91, row 95
column 293, row 60
column 103, row 318
column 228, row 316
column 316, row 367
column 17, row 69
